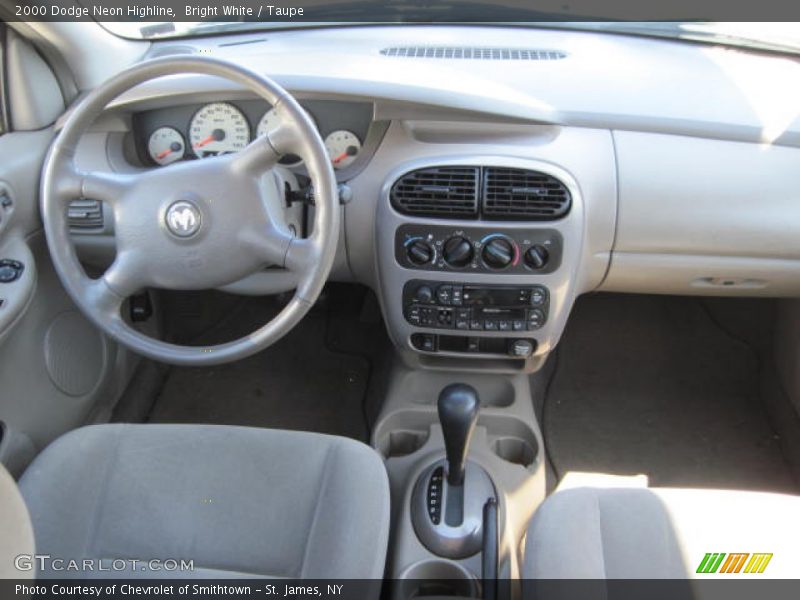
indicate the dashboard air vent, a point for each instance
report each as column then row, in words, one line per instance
column 438, row 192
column 85, row 215
column 470, row 53
column 521, row 194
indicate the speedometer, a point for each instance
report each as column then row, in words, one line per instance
column 218, row 128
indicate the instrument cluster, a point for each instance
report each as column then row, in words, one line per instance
column 166, row 136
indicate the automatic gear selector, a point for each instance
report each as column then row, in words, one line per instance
column 448, row 498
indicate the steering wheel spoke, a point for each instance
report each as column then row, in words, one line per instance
column 301, row 255
column 94, row 185
column 286, row 139
column 256, row 158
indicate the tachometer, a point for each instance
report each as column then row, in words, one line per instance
column 343, row 148
column 218, row 128
column 166, row 145
column 268, row 122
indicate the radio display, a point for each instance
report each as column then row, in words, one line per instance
column 482, row 296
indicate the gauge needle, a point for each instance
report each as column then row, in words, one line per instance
column 351, row 151
column 163, row 154
column 208, row 140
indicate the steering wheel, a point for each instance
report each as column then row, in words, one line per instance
column 194, row 225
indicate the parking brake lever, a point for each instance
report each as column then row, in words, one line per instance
column 489, row 556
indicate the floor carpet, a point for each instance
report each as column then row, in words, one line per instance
column 653, row 385
column 298, row 383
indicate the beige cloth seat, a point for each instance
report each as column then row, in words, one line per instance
column 237, row 501
column 631, row 533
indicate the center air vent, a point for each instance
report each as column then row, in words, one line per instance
column 472, row 53
column 496, row 193
column 84, row 215
column 521, row 194
column 438, row 192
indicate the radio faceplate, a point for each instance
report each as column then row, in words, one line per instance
column 471, row 307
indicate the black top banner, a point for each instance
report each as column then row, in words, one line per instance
column 398, row 11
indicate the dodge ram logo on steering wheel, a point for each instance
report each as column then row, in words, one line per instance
column 183, row 218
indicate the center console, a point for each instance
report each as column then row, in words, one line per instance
column 477, row 259
column 466, row 468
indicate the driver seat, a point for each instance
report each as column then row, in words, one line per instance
column 238, row 501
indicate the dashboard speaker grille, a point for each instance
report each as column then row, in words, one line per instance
column 438, row 192
column 85, row 214
column 522, row 194
column 471, row 53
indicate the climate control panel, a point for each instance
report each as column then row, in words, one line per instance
column 478, row 249
column 469, row 307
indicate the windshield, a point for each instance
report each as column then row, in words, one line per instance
column 781, row 37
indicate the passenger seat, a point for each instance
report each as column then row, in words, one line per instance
column 633, row 533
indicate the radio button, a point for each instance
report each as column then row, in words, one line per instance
column 458, row 295
column 444, row 294
column 535, row 318
column 538, row 297
column 475, row 324
column 518, row 325
column 424, row 294
column 490, row 325
column 504, row 325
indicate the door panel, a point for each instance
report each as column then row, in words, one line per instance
column 57, row 371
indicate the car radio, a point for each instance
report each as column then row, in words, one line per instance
column 440, row 305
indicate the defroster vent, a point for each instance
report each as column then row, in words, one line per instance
column 512, row 194
column 438, row 192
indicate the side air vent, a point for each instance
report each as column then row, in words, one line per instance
column 438, row 192
column 470, row 53
column 85, row 215
column 521, row 194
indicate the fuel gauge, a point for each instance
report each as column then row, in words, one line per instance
column 166, row 145
column 343, row 148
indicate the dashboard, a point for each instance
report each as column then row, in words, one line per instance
column 486, row 196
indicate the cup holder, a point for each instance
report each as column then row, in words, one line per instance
column 424, row 388
column 513, row 441
column 402, row 443
column 440, row 578
column 515, row 450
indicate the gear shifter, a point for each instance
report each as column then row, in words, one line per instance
column 458, row 414
column 449, row 496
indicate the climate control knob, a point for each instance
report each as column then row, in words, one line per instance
column 458, row 252
column 537, row 256
column 498, row 253
column 419, row 252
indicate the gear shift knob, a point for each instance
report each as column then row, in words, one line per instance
column 458, row 414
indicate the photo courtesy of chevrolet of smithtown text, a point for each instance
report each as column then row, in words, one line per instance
column 400, row 299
